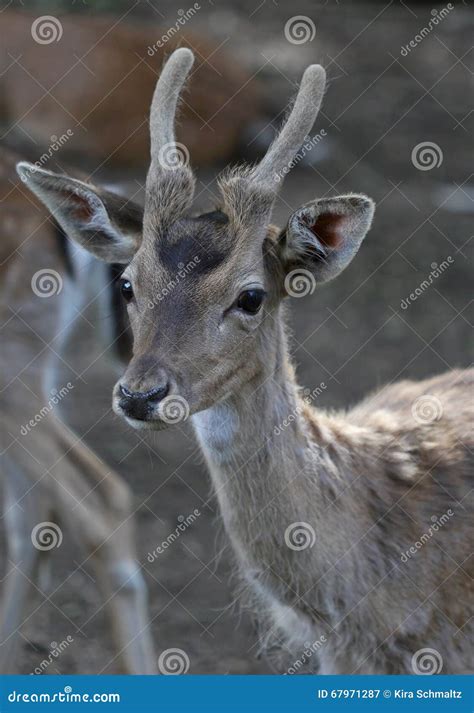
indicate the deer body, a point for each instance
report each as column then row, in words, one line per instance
column 362, row 483
column 364, row 486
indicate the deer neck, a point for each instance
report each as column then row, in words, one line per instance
column 255, row 443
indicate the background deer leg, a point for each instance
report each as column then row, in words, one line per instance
column 124, row 591
column 22, row 511
column 102, row 518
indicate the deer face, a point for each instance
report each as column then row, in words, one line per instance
column 203, row 293
column 197, row 306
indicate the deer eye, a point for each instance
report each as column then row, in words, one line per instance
column 250, row 301
column 126, row 290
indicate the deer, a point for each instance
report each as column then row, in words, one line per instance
column 108, row 68
column 319, row 508
column 54, row 486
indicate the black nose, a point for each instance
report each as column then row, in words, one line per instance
column 139, row 404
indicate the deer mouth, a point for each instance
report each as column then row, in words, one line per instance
column 149, row 425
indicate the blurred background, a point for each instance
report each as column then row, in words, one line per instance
column 396, row 124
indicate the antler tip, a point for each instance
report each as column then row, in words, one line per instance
column 184, row 56
column 315, row 74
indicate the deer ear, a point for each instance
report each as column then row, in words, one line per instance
column 102, row 222
column 324, row 235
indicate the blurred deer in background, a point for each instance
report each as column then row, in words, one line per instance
column 215, row 346
column 52, row 480
column 94, row 88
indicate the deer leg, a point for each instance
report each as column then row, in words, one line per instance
column 100, row 512
column 23, row 510
column 124, row 591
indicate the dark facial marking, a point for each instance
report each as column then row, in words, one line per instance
column 201, row 241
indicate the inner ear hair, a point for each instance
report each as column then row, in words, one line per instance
column 104, row 223
column 325, row 234
column 328, row 229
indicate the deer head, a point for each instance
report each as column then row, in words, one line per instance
column 204, row 291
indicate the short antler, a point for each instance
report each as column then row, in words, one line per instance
column 299, row 123
column 249, row 194
column 170, row 182
column 165, row 99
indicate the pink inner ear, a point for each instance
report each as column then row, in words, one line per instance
column 79, row 207
column 329, row 229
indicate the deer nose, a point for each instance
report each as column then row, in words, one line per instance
column 139, row 404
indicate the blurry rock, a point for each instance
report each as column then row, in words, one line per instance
column 90, row 88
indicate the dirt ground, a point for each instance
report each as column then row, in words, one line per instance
column 354, row 334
